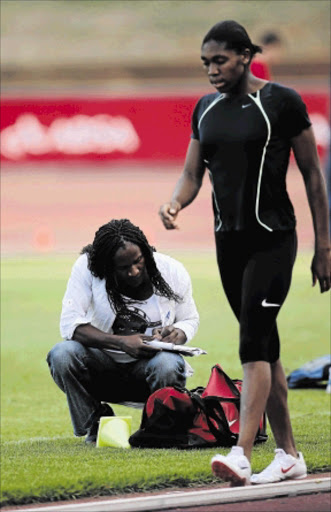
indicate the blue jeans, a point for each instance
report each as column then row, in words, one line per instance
column 89, row 376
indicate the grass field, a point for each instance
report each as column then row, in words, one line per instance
column 41, row 460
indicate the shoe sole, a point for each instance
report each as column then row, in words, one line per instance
column 280, row 480
column 225, row 473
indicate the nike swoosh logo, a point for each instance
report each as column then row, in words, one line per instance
column 266, row 304
column 245, row 106
column 232, row 422
column 288, row 469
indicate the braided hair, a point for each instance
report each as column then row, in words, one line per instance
column 108, row 239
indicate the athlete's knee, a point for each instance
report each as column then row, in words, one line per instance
column 253, row 349
column 259, row 340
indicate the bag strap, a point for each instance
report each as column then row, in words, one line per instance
column 211, row 413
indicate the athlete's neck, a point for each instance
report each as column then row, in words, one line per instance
column 249, row 84
column 254, row 84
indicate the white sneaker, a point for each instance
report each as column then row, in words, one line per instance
column 234, row 467
column 283, row 467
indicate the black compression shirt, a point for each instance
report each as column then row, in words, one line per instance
column 246, row 145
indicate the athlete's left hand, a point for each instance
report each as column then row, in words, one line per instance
column 170, row 334
column 321, row 269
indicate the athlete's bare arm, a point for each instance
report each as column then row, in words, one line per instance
column 187, row 186
column 305, row 151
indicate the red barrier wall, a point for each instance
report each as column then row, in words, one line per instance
column 155, row 128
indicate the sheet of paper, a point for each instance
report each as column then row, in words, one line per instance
column 181, row 349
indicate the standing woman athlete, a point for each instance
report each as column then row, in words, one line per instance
column 243, row 135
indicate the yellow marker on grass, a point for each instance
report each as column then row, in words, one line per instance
column 114, row 431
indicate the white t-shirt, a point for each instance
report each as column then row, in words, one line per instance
column 86, row 301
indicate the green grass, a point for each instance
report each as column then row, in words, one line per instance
column 41, row 460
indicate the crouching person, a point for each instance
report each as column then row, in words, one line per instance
column 121, row 293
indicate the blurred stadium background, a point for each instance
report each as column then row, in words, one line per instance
column 96, row 104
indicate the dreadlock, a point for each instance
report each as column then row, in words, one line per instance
column 108, row 239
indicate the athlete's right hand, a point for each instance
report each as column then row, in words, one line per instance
column 134, row 346
column 168, row 213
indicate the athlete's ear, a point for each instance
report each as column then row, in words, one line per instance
column 246, row 56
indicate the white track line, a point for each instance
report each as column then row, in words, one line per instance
column 193, row 498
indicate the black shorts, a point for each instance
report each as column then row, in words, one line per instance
column 256, row 272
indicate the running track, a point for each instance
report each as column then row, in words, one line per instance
column 53, row 209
